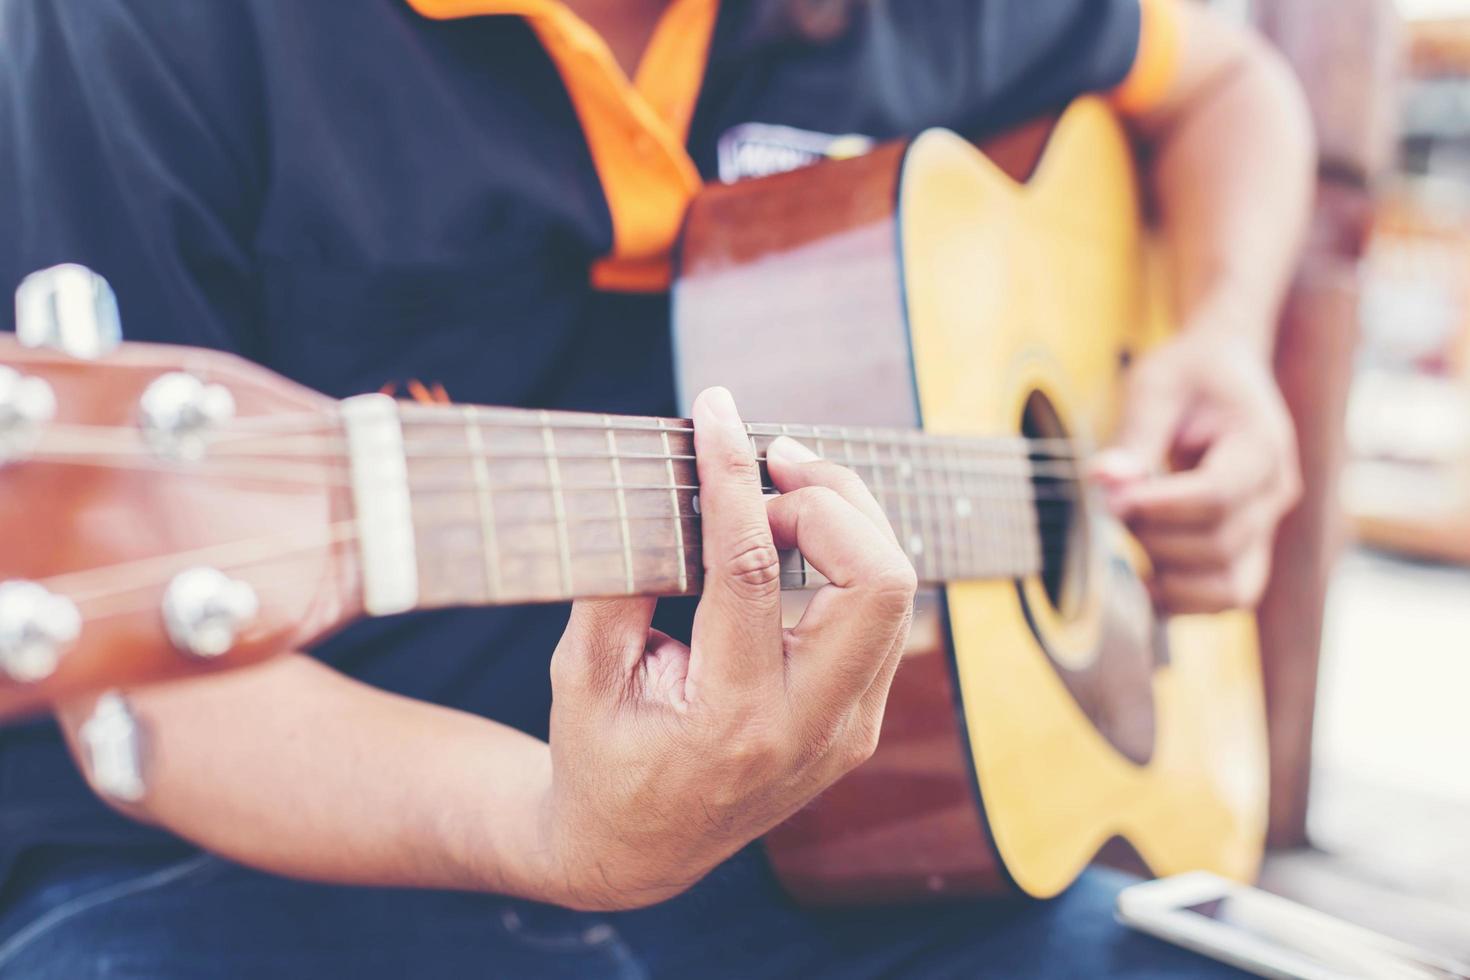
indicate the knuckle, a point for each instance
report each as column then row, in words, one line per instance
column 868, row 743
column 1221, row 544
column 1215, row 502
column 562, row 676
column 893, row 585
column 737, row 464
column 860, row 747
column 755, row 567
column 838, row 476
column 817, row 497
column 753, row 754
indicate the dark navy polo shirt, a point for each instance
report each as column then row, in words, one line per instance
column 356, row 195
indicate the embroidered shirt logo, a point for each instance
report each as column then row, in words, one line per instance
column 761, row 149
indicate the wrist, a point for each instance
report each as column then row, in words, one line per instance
column 1237, row 319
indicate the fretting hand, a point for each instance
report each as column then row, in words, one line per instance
column 666, row 759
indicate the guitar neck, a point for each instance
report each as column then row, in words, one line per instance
column 460, row 505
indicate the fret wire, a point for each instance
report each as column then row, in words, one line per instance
column 921, row 499
column 806, row 569
column 903, row 509
column 944, row 516
column 558, row 503
column 481, row 468
column 942, row 543
column 1022, row 517
column 674, row 499
column 877, row 486
column 963, row 512
column 622, row 497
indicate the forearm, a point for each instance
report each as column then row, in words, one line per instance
column 1232, row 176
column 295, row 769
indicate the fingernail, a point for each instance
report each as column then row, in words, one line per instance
column 719, row 403
column 790, row 450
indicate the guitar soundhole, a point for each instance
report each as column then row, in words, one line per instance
column 1060, row 520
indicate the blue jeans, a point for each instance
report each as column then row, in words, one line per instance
column 75, row 915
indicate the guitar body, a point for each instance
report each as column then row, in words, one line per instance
column 1033, row 722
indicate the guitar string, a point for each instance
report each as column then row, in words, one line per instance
column 334, row 473
column 915, row 439
column 232, row 555
column 808, row 576
column 1027, row 489
column 1017, row 466
column 249, row 550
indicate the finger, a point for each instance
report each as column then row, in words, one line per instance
column 1237, row 587
column 793, row 466
column 875, row 698
column 737, row 627
column 601, row 646
column 1199, row 547
column 1153, row 408
column 1231, row 474
column 849, row 628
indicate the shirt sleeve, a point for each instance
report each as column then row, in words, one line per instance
column 994, row 63
column 126, row 146
column 1156, row 59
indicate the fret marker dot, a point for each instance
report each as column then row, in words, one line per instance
column 694, row 503
column 905, row 469
column 916, row 545
column 962, row 507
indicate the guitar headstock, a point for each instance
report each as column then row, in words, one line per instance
column 164, row 509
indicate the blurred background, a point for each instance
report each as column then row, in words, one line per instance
column 1371, row 744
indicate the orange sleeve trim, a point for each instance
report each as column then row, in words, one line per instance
column 1156, row 67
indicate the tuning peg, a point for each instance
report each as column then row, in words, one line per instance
column 36, row 627
column 204, row 609
column 26, row 404
column 68, row 308
column 178, row 411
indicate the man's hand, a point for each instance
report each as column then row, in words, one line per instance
column 1203, row 469
column 667, row 759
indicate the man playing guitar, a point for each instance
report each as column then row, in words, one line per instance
column 483, row 194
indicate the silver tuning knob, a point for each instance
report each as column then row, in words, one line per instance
column 204, row 610
column 26, row 404
column 68, row 308
column 36, row 628
column 178, row 411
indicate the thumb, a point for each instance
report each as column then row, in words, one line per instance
column 601, row 647
column 1152, row 414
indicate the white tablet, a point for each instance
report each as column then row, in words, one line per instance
column 1271, row 936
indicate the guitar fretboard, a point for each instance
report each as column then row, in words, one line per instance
column 511, row 505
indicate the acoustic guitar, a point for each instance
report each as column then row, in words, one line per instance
column 953, row 326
